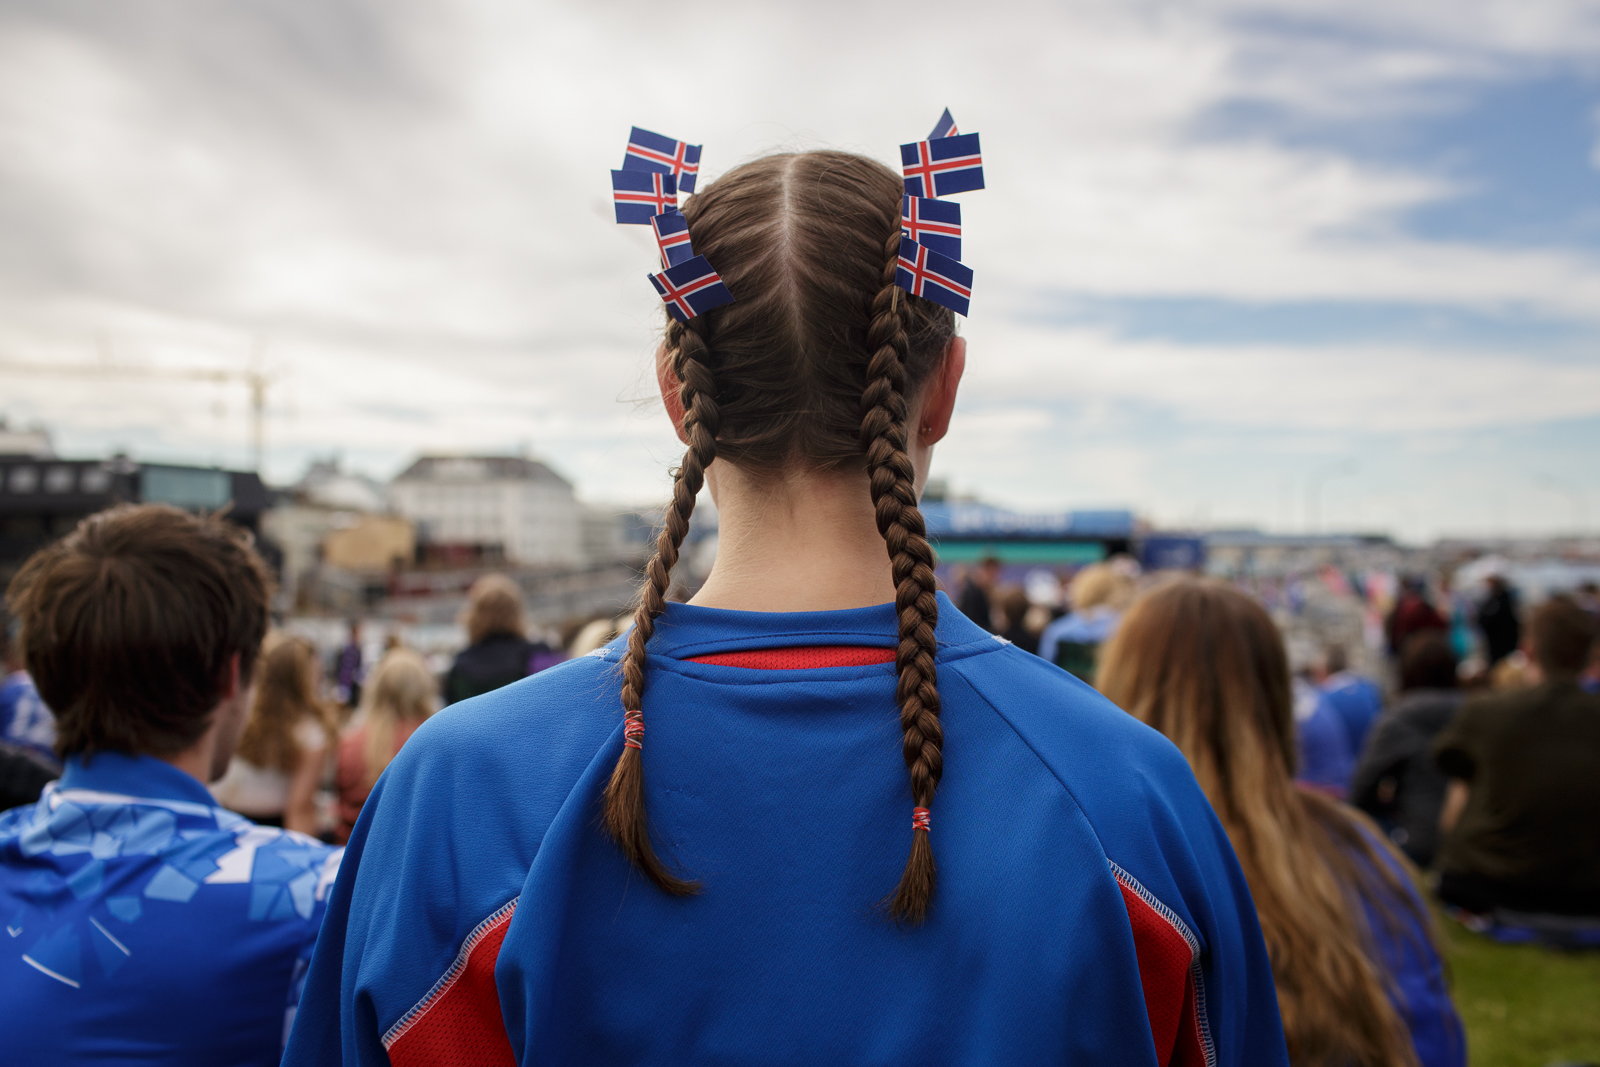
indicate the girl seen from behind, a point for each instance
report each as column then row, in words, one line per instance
column 282, row 755
column 398, row 697
column 815, row 815
column 1358, row 975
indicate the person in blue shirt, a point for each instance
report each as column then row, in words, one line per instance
column 1097, row 596
column 815, row 815
column 1325, row 761
column 26, row 724
column 1357, row 700
column 146, row 925
column 1360, row 979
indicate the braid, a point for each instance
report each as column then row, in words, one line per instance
column 883, row 438
column 623, row 801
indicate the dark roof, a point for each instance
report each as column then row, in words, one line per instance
column 479, row 469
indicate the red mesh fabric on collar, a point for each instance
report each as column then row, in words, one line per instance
column 796, row 659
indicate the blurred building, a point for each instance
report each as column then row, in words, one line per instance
column 471, row 509
column 43, row 498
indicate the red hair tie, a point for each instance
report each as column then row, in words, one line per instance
column 919, row 819
column 633, row 729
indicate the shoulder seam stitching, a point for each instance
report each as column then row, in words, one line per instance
column 451, row 975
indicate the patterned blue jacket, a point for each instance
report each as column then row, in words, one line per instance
column 145, row 925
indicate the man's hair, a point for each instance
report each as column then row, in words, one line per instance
column 1335, row 658
column 130, row 621
column 1561, row 633
column 1428, row 661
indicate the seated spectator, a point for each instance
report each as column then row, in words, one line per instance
column 1519, row 819
column 27, row 726
column 1096, row 595
column 283, row 755
column 399, row 697
column 147, row 925
column 1359, row 976
column 1397, row 781
column 1357, row 700
column 499, row 651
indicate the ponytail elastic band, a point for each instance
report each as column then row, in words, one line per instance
column 919, row 819
column 633, row 729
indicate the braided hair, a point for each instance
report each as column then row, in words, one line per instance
column 816, row 364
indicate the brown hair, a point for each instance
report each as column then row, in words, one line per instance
column 494, row 606
column 401, row 689
column 1203, row 663
column 812, row 366
column 285, row 695
column 1561, row 633
column 130, row 621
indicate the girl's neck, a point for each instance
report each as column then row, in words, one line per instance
column 800, row 541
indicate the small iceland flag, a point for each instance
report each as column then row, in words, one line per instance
column 641, row 195
column 692, row 288
column 651, row 151
column 934, row 224
column 944, row 166
column 672, row 237
column 925, row 273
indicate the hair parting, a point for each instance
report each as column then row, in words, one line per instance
column 623, row 801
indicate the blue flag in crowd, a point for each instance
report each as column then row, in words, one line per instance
column 934, row 224
column 939, row 168
column 641, row 195
column 925, row 273
column 692, row 288
column 945, row 127
column 651, row 151
column 672, row 236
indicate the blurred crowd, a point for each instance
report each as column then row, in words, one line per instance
column 1459, row 761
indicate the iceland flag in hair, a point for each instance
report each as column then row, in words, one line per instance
column 651, row 151
column 927, row 274
column 672, row 237
column 945, row 127
column 641, row 195
column 934, row 224
column 939, row 168
column 692, row 288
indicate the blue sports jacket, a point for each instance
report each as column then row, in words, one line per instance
column 1089, row 907
column 146, row 925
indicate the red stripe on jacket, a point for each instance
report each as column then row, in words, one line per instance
column 1169, row 973
column 459, row 1024
column 795, row 659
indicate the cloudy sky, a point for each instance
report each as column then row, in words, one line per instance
column 1272, row 263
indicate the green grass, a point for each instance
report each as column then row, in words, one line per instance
column 1524, row 1006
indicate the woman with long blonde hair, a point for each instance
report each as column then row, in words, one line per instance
column 399, row 697
column 282, row 755
column 1358, row 974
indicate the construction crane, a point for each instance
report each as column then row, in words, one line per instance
column 257, row 381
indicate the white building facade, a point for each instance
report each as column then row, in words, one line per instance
column 519, row 506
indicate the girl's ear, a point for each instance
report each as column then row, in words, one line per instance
column 669, row 383
column 939, row 399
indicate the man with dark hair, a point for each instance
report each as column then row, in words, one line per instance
column 147, row 925
column 1497, row 619
column 1357, row 700
column 1520, row 817
column 1397, row 781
